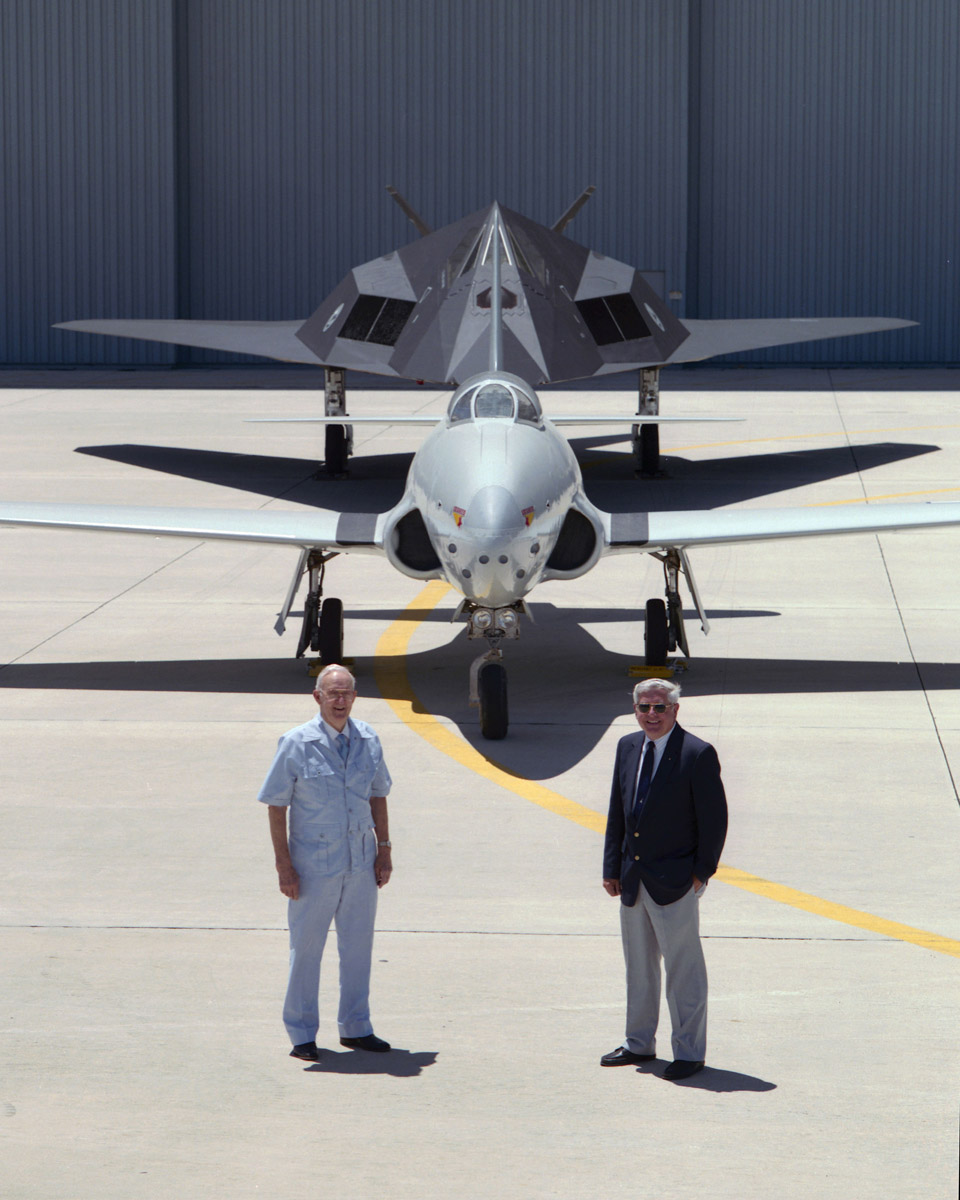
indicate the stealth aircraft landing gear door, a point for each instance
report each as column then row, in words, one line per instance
column 338, row 439
column 646, row 438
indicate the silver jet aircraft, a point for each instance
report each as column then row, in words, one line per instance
column 494, row 501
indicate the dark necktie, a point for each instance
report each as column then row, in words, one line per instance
column 646, row 774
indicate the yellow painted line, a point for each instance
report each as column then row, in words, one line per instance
column 391, row 675
column 837, row 912
column 888, row 496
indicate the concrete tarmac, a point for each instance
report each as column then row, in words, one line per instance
column 143, row 934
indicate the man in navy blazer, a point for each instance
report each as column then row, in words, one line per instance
column 665, row 831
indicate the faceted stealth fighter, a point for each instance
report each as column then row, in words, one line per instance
column 494, row 502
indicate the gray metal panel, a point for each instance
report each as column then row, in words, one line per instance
column 86, row 174
column 829, row 171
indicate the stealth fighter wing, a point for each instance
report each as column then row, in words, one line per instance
column 416, row 313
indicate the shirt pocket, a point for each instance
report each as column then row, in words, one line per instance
column 330, row 849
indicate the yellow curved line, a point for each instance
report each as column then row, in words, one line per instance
column 391, row 675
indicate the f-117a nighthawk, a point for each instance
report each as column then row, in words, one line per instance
column 493, row 305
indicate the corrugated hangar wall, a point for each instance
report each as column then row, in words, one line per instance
column 227, row 158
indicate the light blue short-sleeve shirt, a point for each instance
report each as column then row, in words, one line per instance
column 331, row 828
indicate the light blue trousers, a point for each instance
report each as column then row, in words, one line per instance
column 350, row 902
column 671, row 932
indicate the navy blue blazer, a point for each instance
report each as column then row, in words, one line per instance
column 682, row 826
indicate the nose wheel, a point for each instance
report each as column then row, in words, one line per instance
column 492, row 692
column 488, row 675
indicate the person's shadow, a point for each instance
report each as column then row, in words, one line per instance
column 711, row 1079
column 403, row 1064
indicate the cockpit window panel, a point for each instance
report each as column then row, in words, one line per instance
column 495, row 399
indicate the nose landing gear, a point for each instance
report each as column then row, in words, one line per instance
column 488, row 675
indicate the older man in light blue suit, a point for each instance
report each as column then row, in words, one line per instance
column 330, row 776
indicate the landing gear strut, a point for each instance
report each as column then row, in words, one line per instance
column 663, row 630
column 488, row 675
column 646, row 438
column 322, row 628
column 338, row 439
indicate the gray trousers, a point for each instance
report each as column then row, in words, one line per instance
column 671, row 932
column 350, row 901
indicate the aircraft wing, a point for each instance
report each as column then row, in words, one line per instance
column 715, row 527
column 267, row 339
column 583, row 419
column 708, row 338
column 317, row 529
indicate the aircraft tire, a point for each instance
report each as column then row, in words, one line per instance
column 330, row 639
column 335, row 450
column 492, row 687
column 649, row 451
column 656, row 634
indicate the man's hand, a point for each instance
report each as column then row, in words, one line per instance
column 612, row 887
column 289, row 881
column 383, row 866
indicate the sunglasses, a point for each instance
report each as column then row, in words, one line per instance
column 657, row 708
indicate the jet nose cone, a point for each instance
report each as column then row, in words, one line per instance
column 493, row 510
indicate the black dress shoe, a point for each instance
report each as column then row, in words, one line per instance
column 622, row 1057
column 307, row 1051
column 369, row 1042
column 682, row 1068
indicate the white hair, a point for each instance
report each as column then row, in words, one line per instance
column 667, row 686
column 318, row 686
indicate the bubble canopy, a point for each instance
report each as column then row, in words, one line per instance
column 501, row 398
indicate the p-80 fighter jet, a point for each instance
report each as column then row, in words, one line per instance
column 494, row 501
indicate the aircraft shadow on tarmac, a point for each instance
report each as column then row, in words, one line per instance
column 402, row 1064
column 712, row 483
column 376, row 481
column 565, row 692
column 566, row 688
column 714, row 1079
column 375, row 484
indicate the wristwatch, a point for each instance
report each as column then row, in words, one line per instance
column 387, row 844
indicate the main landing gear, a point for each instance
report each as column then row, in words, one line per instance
column 646, row 438
column 322, row 628
column 338, row 439
column 663, row 628
column 488, row 675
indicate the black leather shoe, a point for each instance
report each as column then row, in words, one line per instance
column 622, row 1057
column 370, row 1042
column 307, row 1051
column 682, row 1068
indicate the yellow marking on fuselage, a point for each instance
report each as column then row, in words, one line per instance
column 391, row 675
